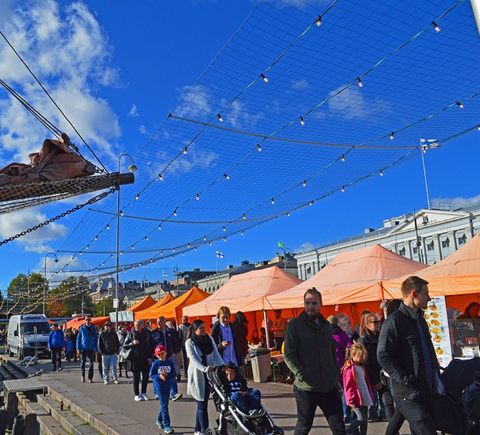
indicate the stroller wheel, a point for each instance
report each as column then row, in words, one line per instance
column 212, row 431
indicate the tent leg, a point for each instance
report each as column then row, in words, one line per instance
column 267, row 335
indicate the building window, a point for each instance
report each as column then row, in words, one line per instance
column 402, row 251
column 430, row 246
column 462, row 239
column 446, row 243
column 414, row 249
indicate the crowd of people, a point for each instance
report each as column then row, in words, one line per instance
column 386, row 370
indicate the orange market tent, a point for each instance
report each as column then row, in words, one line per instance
column 457, row 276
column 145, row 303
column 79, row 321
column 353, row 277
column 245, row 292
column 145, row 313
column 173, row 310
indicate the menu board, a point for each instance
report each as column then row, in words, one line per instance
column 437, row 321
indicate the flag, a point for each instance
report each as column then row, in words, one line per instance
column 220, row 255
column 281, row 245
column 164, row 273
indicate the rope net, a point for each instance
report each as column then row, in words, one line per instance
column 287, row 114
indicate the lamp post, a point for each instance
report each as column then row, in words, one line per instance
column 176, row 270
column 285, row 252
column 131, row 168
column 418, row 241
column 45, row 277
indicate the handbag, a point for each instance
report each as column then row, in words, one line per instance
column 125, row 353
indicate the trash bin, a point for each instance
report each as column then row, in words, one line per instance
column 260, row 364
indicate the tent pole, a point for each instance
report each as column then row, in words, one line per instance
column 267, row 335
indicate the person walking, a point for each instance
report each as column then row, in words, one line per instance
column 87, row 341
column 56, row 341
column 406, row 353
column 140, row 343
column 310, row 354
column 204, row 356
column 123, row 363
column 225, row 338
column 109, row 346
column 183, row 333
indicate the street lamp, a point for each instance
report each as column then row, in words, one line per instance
column 131, row 168
column 45, row 277
column 285, row 252
column 176, row 271
column 418, row 241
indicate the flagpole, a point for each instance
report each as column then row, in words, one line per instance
column 423, row 148
column 216, row 263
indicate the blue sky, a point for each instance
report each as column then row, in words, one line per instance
column 119, row 70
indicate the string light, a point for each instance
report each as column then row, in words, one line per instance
column 226, row 176
column 392, row 135
column 302, row 121
column 197, row 196
column 185, row 150
column 121, row 212
column 259, row 148
column 87, row 247
column 319, row 21
column 111, row 255
column 343, row 188
column 175, row 212
column 381, row 173
column 304, row 183
column 205, row 238
column 188, row 245
column 195, row 249
column 108, row 227
column 146, row 238
column 96, row 237
column 435, row 26
column 159, row 227
column 360, row 84
column 459, row 104
column 343, row 157
column 133, row 247
column 173, row 250
column 138, row 196
column 287, row 213
column 245, row 217
column 210, row 243
column 478, row 128
column 224, row 229
column 219, row 117
column 121, row 252
column 224, row 239
column 265, row 79
column 273, row 201
column 242, row 233
column 160, row 177
column 310, row 203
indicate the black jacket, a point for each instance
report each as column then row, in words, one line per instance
column 108, row 343
column 216, row 334
column 370, row 341
column 142, row 350
column 169, row 339
column 400, row 354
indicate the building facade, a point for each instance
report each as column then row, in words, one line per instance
column 427, row 236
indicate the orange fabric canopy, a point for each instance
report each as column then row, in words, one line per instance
column 245, row 292
column 145, row 314
column 352, row 277
column 79, row 321
column 145, row 303
column 457, row 274
column 173, row 310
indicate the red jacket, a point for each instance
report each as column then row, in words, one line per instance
column 352, row 394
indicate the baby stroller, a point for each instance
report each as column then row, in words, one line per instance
column 231, row 420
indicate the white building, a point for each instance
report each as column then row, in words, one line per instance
column 428, row 237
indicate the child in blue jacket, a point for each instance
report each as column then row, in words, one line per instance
column 162, row 373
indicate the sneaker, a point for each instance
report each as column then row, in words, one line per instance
column 105, row 382
column 168, row 429
column 138, row 398
column 90, row 381
column 156, row 396
column 198, row 433
column 115, row 381
column 159, row 424
column 60, row 369
column 144, row 397
column 82, row 378
column 177, row 396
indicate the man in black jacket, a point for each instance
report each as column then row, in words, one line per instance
column 406, row 353
column 108, row 346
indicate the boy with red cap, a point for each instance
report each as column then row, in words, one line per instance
column 162, row 373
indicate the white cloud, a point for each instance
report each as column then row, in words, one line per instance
column 305, row 247
column 68, row 51
column 300, row 84
column 14, row 223
column 196, row 101
column 142, row 129
column 457, row 202
column 133, row 112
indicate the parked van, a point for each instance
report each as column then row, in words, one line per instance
column 27, row 334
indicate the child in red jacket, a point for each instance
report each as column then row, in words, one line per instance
column 358, row 391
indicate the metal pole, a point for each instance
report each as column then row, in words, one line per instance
column 267, row 338
column 476, row 11
column 44, row 283
column 422, row 150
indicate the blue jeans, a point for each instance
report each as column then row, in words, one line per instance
column 90, row 354
column 201, row 420
column 107, row 362
column 330, row 403
column 247, row 402
column 419, row 416
column 163, row 415
column 174, row 388
column 361, row 420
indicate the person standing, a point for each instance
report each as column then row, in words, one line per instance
column 122, row 362
column 406, row 353
column 240, row 330
column 87, row 340
column 204, row 356
column 310, row 354
column 56, row 341
column 183, row 333
column 225, row 338
column 109, row 346
column 164, row 336
column 140, row 343
column 278, row 329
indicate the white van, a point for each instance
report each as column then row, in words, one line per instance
column 27, row 335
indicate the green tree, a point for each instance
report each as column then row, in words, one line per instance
column 25, row 292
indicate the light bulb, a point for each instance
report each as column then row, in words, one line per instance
column 121, row 212
column 242, row 233
column 343, row 157
column 195, row 249
column 360, row 84
column 210, row 243
column 146, row 238
column 173, row 250
column 287, row 213
column 381, row 173
column 435, row 26
column 224, row 239
column 259, row 148
column 188, row 245
column 205, row 238
column 159, row 227
column 273, row 201
column 392, row 135
column 310, row 203
column 244, row 216
column 96, row 237
column 160, row 177
column 224, row 229
column 459, row 104
column 265, row 79
column 108, row 227
column 302, row 121
column 111, row 255
column 343, row 188
column 319, row 21
column 185, row 150
column 133, row 247
column 175, row 212
column 197, row 196
column 219, row 117
column 226, row 176
column 138, row 196
column 304, row 183
column 87, row 247
column 478, row 128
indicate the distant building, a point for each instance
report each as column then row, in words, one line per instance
column 213, row 282
column 427, row 237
